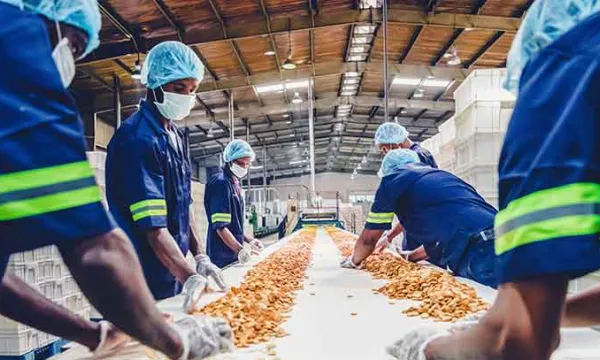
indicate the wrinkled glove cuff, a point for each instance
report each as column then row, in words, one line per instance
column 185, row 341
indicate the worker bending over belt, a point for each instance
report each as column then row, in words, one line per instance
column 48, row 195
column 548, row 226
column 390, row 136
column 224, row 206
column 436, row 207
column 148, row 177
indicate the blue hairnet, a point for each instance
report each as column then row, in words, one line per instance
column 390, row 133
column 237, row 149
column 82, row 14
column 396, row 160
column 170, row 61
column 545, row 22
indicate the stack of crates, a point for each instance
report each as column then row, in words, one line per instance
column 447, row 134
column 97, row 160
column 44, row 270
column 483, row 112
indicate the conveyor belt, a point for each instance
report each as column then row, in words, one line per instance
column 322, row 324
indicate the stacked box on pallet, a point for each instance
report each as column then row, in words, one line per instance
column 97, row 160
column 483, row 111
column 447, row 133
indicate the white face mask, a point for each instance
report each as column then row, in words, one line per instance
column 238, row 171
column 175, row 106
column 64, row 61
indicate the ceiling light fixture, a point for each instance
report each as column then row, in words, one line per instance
column 452, row 56
column 270, row 53
column 297, row 99
column 406, row 81
column 137, row 70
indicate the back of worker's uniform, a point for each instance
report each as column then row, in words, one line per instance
column 549, row 172
column 440, row 210
column 224, row 207
column 148, row 181
column 48, row 193
column 424, row 155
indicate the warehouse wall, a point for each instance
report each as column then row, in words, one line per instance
column 331, row 182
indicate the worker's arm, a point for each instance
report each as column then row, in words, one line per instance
column 396, row 230
column 169, row 254
column 419, row 254
column 229, row 239
column 365, row 245
column 197, row 243
column 582, row 310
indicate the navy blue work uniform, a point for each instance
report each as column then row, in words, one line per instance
column 48, row 194
column 224, row 207
column 439, row 209
column 425, row 156
column 148, row 182
column 549, row 219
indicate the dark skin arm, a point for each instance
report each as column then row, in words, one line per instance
column 169, row 254
column 365, row 245
column 197, row 243
column 43, row 314
column 582, row 309
column 229, row 239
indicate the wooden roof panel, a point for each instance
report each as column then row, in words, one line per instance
column 398, row 38
column 330, row 43
column 455, row 6
column 428, row 45
column 407, row 5
column 221, row 59
column 192, row 14
column 496, row 55
column 502, row 7
column 470, row 42
column 300, row 47
column 151, row 22
column 241, row 9
column 253, row 54
column 284, row 8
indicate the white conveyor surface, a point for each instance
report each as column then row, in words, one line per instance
column 321, row 325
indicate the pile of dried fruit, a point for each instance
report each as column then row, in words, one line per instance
column 442, row 297
column 256, row 309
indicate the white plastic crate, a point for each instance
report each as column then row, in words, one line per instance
column 482, row 117
column 47, row 289
column 97, row 159
column 59, row 289
column 482, row 85
column 27, row 272
column 45, row 253
column 45, row 270
column 483, row 178
column 76, row 302
column 447, row 131
column 12, row 343
column 70, row 286
column 7, row 325
column 45, row 339
column 25, row 257
column 482, row 149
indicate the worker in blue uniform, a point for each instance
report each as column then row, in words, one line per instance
column 48, row 195
column 148, row 178
column 224, row 204
column 390, row 136
column 439, row 209
column 548, row 225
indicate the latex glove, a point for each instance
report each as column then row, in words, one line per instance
column 467, row 322
column 204, row 336
column 245, row 254
column 193, row 288
column 347, row 263
column 206, row 268
column 257, row 246
column 405, row 254
column 382, row 243
column 412, row 345
column 111, row 339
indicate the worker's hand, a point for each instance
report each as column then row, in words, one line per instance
column 257, row 246
column 206, row 268
column 347, row 263
column 467, row 322
column 193, row 288
column 412, row 345
column 111, row 339
column 204, row 336
column 382, row 243
column 245, row 254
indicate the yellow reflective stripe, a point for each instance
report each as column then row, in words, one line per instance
column 30, row 179
column 566, row 226
column 49, row 203
column 144, row 214
column 220, row 217
column 579, row 193
column 380, row 218
column 148, row 203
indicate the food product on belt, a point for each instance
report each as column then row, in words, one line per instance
column 257, row 308
column 441, row 296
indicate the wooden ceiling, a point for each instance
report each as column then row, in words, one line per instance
column 232, row 38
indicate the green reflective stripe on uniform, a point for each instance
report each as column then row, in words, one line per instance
column 570, row 210
column 550, row 198
column 49, row 203
column 380, row 218
column 30, row 179
column 220, row 217
column 147, row 213
column 148, row 203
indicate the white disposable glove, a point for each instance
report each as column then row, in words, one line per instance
column 347, row 263
column 382, row 243
column 206, row 268
column 467, row 322
column 204, row 336
column 245, row 253
column 257, row 245
column 405, row 254
column 111, row 339
column 412, row 345
column 193, row 288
